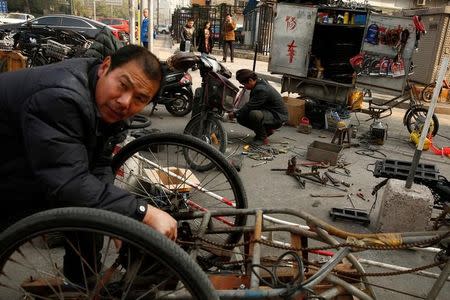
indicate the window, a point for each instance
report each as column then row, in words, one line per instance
column 115, row 22
column 71, row 22
column 50, row 21
column 106, row 21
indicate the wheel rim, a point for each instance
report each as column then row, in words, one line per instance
column 144, row 173
column 33, row 270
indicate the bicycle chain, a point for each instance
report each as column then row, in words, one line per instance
column 351, row 245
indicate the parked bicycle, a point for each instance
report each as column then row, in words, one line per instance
column 427, row 93
column 414, row 116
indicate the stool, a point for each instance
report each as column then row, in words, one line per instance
column 340, row 134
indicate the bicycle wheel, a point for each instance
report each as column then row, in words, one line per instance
column 151, row 266
column 181, row 103
column 213, row 132
column 416, row 116
column 154, row 168
column 427, row 93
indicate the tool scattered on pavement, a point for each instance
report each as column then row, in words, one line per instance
column 259, row 164
column 351, row 201
column 327, row 195
column 361, row 195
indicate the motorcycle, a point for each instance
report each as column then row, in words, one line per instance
column 176, row 92
column 216, row 96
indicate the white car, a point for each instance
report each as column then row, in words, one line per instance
column 12, row 18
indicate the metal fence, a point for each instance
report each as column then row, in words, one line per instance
column 258, row 23
column 256, row 31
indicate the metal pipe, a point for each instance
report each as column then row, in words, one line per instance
column 132, row 21
column 398, row 268
column 350, row 288
column 439, row 283
column 150, row 26
column 326, row 268
column 256, row 260
column 426, row 126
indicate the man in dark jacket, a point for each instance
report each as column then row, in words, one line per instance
column 55, row 125
column 265, row 111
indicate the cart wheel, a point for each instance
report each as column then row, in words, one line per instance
column 416, row 116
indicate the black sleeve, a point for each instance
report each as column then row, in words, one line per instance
column 257, row 99
column 54, row 134
column 183, row 34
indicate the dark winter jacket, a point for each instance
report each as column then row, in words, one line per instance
column 201, row 41
column 54, row 143
column 264, row 97
column 105, row 43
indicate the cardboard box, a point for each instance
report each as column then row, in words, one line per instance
column 12, row 61
column 173, row 178
column 326, row 152
column 296, row 110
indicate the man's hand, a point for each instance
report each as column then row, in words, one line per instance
column 161, row 222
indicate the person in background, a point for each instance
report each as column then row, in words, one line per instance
column 144, row 29
column 228, row 37
column 204, row 39
column 264, row 112
column 187, row 34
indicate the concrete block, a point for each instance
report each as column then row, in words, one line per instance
column 402, row 209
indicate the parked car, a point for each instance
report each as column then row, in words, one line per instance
column 164, row 29
column 85, row 26
column 117, row 23
column 13, row 18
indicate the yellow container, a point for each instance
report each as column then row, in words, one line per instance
column 355, row 99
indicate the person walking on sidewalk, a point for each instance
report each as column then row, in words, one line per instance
column 204, row 39
column 228, row 37
column 264, row 112
column 187, row 36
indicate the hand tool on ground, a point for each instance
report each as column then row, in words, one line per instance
column 345, row 173
column 327, row 195
column 361, row 195
column 333, row 180
column 351, row 201
column 259, row 164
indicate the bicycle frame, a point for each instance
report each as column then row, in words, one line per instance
column 252, row 283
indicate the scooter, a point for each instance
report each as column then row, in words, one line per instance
column 176, row 93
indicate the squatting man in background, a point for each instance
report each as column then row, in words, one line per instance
column 57, row 125
column 264, row 112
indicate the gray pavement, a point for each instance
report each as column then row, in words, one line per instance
column 275, row 189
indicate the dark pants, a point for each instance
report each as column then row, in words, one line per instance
column 82, row 256
column 259, row 121
column 227, row 44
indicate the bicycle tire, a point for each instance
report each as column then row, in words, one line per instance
column 211, row 124
column 217, row 179
column 413, row 114
column 427, row 93
column 163, row 252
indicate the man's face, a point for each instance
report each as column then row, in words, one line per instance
column 250, row 84
column 122, row 92
column 145, row 13
column 228, row 18
column 190, row 24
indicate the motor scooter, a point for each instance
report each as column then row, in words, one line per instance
column 216, row 96
column 176, row 92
